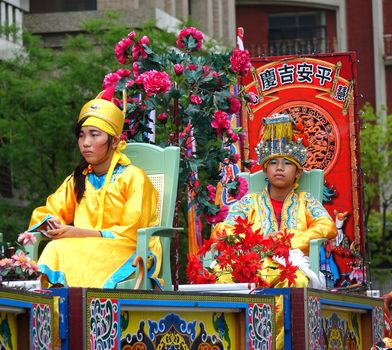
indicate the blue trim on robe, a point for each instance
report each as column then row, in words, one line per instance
column 54, row 277
column 107, row 234
column 34, row 228
column 127, row 270
column 98, row 181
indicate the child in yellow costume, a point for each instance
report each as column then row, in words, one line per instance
column 94, row 215
column 282, row 155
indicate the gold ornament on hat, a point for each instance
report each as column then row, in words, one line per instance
column 281, row 139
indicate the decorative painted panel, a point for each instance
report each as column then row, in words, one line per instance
column 8, row 331
column 151, row 320
column 342, row 330
column 260, row 326
column 41, row 327
column 314, row 321
column 103, row 322
column 378, row 324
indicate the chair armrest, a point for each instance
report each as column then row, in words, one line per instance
column 314, row 254
column 165, row 233
column 32, row 249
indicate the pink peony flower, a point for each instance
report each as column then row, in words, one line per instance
column 163, row 117
column 138, row 50
column 182, row 40
column 192, row 66
column 26, row 238
column 145, row 40
column 110, row 79
column 240, row 61
column 135, row 69
column 206, row 70
column 195, row 100
column 234, row 104
column 123, row 72
column 242, row 188
column 220, row 122
column 220, row 216
column 233, row 136
column 131, row 35
column 129, row 83
column 211, row 192
column 178, row 68
column 154, row 82
column 120, row 50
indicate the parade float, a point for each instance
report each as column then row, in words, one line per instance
column 209, row 110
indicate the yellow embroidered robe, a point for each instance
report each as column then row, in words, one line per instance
column 302, row 214
column 100, row 262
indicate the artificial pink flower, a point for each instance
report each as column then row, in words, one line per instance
column 182, row 40
column 123, row 72
column 195, row 100
column 6, row 262
column 154, row 82
column 120, row 50
column 129, row 83
column 163, row 117
column 192, row 66
column 211, row 192
column 135, row 69
column 26, row 238
column 178, row 68
column 234, row 104
column 138, row 50
column 145, row 40
column 20, row 259
column 240, row 61
column 220, row 122
column 131, row 35
column 110, row 79
column 233, row 136
column 32, row 267
column 242, row 188
column 220, row 216
column 206, row 70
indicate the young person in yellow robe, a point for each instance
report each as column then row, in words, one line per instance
column 94, row 215
column 278, row 206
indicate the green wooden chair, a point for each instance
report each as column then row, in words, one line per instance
column 162, row 167
column 310, row 181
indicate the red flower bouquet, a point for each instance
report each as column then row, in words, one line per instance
column 241, row 255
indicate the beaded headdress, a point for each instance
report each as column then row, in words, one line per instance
column 282, row 138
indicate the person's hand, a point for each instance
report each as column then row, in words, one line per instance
column 65, row 231
column 69, row 231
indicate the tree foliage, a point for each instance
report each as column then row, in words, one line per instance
column 376, row 159
column 41, row 93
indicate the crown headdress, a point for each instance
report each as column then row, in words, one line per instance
column 282, row 138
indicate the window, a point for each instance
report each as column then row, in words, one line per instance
column 48, row 6
column 296, row 33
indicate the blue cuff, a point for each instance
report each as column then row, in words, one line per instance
column 106, row 234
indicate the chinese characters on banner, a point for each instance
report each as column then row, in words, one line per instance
column 319, row 91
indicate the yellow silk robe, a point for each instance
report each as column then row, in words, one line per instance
column 100, row 262
column 302, row 214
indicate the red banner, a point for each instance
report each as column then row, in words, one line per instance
column 319, row 91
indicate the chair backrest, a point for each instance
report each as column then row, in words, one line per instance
column 310, row 181
column 162, row 167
